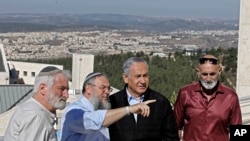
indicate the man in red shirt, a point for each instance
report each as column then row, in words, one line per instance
column 205, row 109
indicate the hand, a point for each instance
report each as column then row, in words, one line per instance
column 141, row 108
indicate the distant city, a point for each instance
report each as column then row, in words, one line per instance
column 102, row 35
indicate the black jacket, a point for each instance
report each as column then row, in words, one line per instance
column 159, row 126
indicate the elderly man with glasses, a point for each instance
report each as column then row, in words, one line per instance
column 88, row 118
column 204, row 110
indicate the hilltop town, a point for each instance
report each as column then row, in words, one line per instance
column 84, row 34
column 42, row 45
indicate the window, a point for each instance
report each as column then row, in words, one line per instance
column 33, row 74
column 25, row 73
column 17, row 72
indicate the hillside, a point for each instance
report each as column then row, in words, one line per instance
column 85, row 22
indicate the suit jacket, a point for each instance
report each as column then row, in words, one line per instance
column 159, row 126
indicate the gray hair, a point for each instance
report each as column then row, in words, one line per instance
column 127, row 64
column 48, row 75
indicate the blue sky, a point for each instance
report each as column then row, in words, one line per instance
column 227, row 9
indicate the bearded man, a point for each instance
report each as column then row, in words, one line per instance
column 204, row 110
column 34, row 119
column 88, row 118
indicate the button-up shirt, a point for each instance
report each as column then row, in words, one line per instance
column 205, row 120
column 82, row 122
column 134, row 100
column 31, row 122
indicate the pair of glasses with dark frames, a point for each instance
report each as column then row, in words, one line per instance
column 210, row 60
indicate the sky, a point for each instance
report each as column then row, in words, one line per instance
column 226, row 9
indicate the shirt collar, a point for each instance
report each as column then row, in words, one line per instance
column 88, row 106
column 130, row 97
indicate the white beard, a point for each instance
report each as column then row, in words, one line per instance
column 57, row 102
column 209, row 84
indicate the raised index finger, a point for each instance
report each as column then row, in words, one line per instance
column 149, row 101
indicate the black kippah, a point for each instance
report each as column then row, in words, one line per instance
column 49, row 70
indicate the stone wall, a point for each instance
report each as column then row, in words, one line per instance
column 243, row 73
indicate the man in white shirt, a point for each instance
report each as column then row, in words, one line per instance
column 33, row 120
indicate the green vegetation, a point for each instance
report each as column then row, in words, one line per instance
column 167, row 75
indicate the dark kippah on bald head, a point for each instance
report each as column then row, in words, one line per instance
column 49, row 70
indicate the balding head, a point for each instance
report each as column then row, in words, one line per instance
column 208, row 59
column 208, row 71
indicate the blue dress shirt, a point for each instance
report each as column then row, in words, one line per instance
column 81, row 122
column 133, row 100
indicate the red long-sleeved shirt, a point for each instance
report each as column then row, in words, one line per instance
column 205, row 120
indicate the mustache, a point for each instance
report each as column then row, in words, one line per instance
column 63, row 99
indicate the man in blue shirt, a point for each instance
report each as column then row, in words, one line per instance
column 88, row 118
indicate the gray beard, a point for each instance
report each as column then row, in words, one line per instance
column 99, row 104
column 56, row 102
column 209, row 85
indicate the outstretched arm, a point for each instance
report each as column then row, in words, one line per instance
column 114, row 115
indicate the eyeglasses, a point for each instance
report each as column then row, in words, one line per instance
column 210, row 60
column 103, row 88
